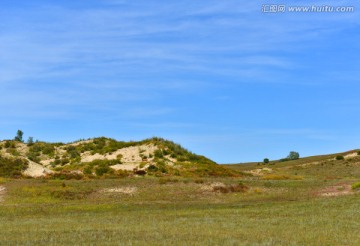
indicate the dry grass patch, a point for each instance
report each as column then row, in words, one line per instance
column 336, row 190
column 282, row 177
column 223, row 188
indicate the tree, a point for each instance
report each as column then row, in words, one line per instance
column 19, row 136
column 266, row 160
column 30, row 141
column 293, row 155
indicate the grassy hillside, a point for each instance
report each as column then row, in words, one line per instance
column 344, row 164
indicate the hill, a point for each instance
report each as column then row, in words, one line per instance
column 331, row 166
column 104, row 157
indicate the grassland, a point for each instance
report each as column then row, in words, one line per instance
column 313, row 201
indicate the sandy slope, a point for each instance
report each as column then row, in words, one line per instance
column 129, row 154
column 36, row 170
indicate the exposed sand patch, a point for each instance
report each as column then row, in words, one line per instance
column 46, row 163
column 87, row 157
column 260, row 171
column 129, row 155
column 2, row 193
column 36, row 170
column 351, row 155
column 307, row 164
column 123, row 190
column 22, row 148
column 336, row 190
column 133, row 154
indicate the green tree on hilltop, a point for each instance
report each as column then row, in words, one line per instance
column 293, row 155
column 19, row 136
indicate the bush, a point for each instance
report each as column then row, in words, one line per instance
column 65, row 175
column 158, row 153
column 140, row 172
column 167, row 180
column 266, row 160
column 231, row 188
column 358, row 152
column 9, row 144
column 355, row 186
column 88, row 170
column 12, row 167
column 339, row 157
column 100, row 171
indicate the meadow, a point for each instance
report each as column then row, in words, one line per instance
column 266, row 210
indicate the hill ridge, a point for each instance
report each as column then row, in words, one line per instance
column 107, row 157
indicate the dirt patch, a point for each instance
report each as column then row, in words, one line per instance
column 123, row 190
column 219, row 187
column 212, row 186
column 2, row 193
column 336, row 190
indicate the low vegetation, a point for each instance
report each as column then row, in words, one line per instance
column 12, row 167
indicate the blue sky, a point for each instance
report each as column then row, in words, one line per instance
column 221, row 78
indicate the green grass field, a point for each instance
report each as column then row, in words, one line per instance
column 280, row 212
column 296, row 203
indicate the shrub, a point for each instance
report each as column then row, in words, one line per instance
column 48, row 149
column 231, row 188
column 88, row 170
column 100, row 171
column 152, row 168
column 7, row 144
column 140, row 172
column 266, row 160
column 122, row 173
column 339, row 157
column 355, row 186
column 158, row 153
column 167, row 180
column 65, row 175
column 12, row 167
column 199, row 181
column 358, row 152
column 33, row 156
